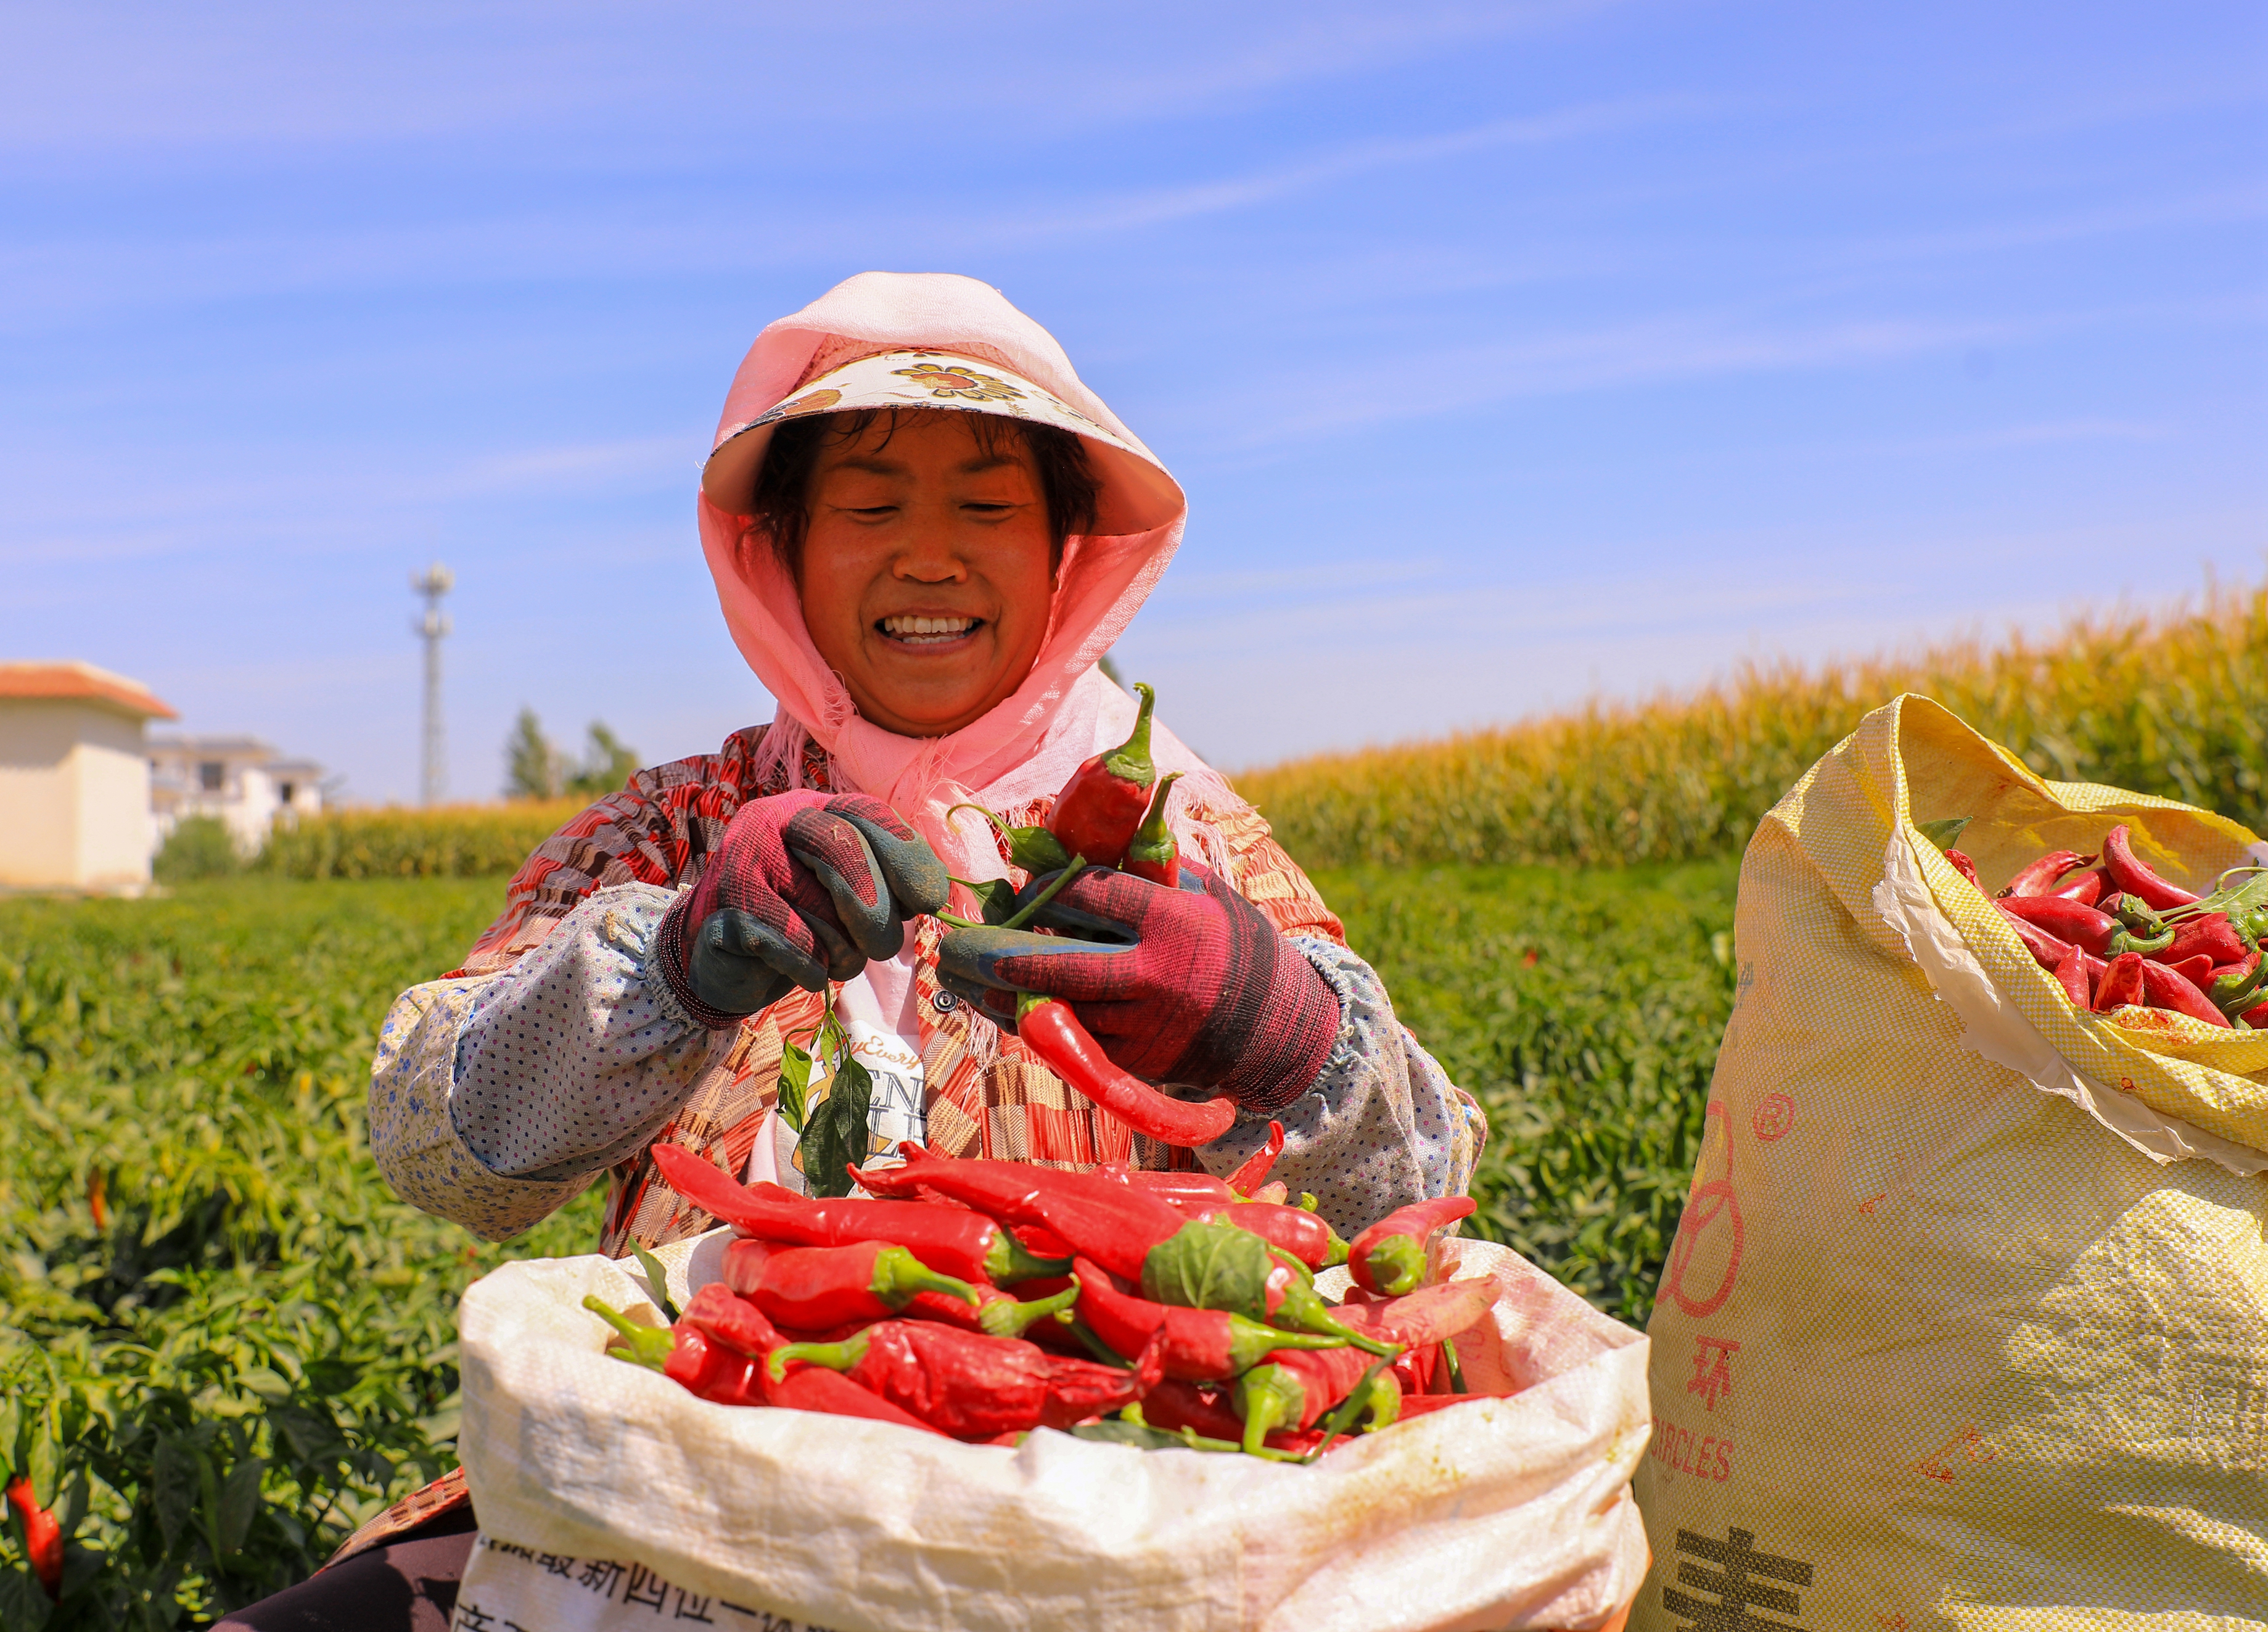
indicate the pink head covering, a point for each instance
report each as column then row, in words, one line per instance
column 1026, row 746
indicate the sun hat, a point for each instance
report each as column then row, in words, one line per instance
column 1136, row 494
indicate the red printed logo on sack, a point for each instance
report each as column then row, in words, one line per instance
column 1773, row 1117
column 1713, row 1370
column 1709, row 1202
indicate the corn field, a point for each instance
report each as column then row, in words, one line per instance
column 2174, row 704
column 449, row 841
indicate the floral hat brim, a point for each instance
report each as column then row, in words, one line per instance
column 1136, row 495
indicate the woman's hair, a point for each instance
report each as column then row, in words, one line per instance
column 1068, row 482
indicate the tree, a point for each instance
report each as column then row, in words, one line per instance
column 608, row 762
column 534, row 768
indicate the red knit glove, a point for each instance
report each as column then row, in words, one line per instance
column 1189, row 985
column 801, row 888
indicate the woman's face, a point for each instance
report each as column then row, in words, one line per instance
column 926, row 574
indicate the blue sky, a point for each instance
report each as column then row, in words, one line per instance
column 1509, row 354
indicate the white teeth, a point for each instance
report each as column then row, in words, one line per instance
column 929, row 628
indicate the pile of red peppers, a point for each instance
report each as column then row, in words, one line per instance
column 1111, row 814
column 2118, row 935
column 981, row 1300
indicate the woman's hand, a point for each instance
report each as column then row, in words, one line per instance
column 1189, row 985
column 803, row 888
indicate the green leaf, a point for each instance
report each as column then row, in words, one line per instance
column 656, row 1281
column 1210, row 1266
column 237, row 1502
column 1944, row 832
column 794, row 1078
column 836, row 1133
column 174, row 1481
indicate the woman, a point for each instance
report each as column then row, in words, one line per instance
column 925, row 532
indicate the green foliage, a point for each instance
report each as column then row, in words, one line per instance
column 447, row 841
column 2167, row 706
column 222, row 1342
column 1593, row 1061
column 533, row 767
column 607, row 763
column 199, row 846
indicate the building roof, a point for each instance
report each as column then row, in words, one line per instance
column 214, row 747
column 79, row 683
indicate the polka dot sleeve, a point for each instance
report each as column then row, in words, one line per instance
column 1382, row 1126
column 574, row 1057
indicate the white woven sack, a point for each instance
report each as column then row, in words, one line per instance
column 608, row 1495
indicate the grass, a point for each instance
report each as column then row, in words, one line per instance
column 222, row 1342
column 2167, row 705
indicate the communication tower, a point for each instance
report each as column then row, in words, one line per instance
column 434, row 582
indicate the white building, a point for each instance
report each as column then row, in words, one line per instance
column 74, row 778
column 240, row 780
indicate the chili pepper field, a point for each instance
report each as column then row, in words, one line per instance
column 225, row 1342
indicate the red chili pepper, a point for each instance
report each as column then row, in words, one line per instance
column 1195, row 1194
column 1963, row 866
column 2213, row 937
column 1114, row 1224
column 1153, row 853
column 1034, row 849
column 2162, row 988
column 1292, row 1389
column 953, row 1240
column 812, row 1287
column 1134, row 1235
column 2039, row 879
column 1101, row 807
column 1199, row 1345
column 996, row 1313
column 1390, row 1256
column 970, row 1386
column 1253, row 1173
column 2085, row 888
column 2256, row 1017
column 1050, row 1029
column 1174, row 1405
column 2121, row 984
column 2046, row 948
column 2071, row 974
column 1424, row 1317
column 43, row 1537
column 2197, row 971
column 1304, row 1235
column 2135, row 879
column 2097, row 932
column 1426, row 1405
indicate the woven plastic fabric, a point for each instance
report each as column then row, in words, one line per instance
column 592, row 1476
column 1966, row 1323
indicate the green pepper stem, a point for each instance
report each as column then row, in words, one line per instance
column 1302, row 1310
column 834, row 1356
column 1014, row 1319
column 1077, row 863
column 1008, row 1260
column 1129, row 761
column 1096, row 1347
column 1456, row 1369
column 1249, row 1341
column 648, row 1346
column 1397, row 1264
column 1267, row 1396
column 899, row 1275
column 1365, row 1395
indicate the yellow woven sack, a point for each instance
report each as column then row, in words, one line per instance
column 1966, row 1323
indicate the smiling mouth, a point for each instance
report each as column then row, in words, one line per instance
column 920, row 631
